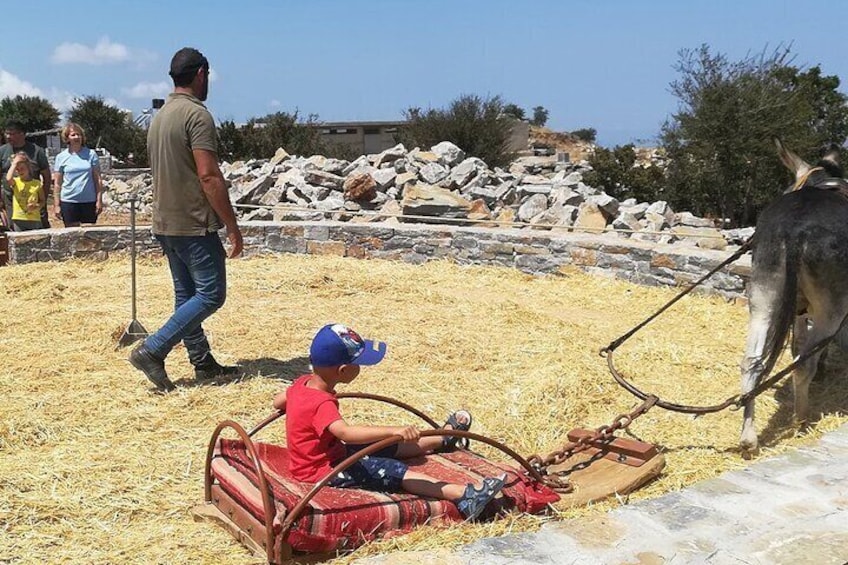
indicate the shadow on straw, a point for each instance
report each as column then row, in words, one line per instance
column 288, row 369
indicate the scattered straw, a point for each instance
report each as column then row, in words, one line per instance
column 96, row 469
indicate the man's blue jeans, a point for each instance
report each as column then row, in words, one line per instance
column 200, row 288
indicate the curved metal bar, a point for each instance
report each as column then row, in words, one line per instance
column 733, row 400
column 388, row 400
column 368, row 396
column 268, row 507
column 295, row 512
column 270, row 418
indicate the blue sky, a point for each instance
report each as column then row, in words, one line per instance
column 601, row 64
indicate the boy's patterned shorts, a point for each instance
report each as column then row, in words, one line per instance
column 379, row 471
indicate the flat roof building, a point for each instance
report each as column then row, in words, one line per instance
column 367, row 138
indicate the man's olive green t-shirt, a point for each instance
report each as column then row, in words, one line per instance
column 179, row 205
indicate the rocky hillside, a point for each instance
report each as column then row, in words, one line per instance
column 439, row 184
column 561, row 142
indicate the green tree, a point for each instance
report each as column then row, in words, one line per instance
column 618, row 173
column 109, row 127
column 261, row 137
column 722, row 161
column 514, row 111
column 34, row 112
column 540, row 116
column 478, row 126
column 230, row 141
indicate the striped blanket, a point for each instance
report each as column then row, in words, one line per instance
column 343, row 519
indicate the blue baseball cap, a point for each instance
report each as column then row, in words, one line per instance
column 337, row 344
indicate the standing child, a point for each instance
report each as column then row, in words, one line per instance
column 27, row 194
column 318, row 437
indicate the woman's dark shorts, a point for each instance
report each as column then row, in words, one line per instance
column 78, row 212
column 379, row 471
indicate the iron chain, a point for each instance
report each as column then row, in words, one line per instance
column 601, row 434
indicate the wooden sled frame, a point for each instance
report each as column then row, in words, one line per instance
column 262, row 536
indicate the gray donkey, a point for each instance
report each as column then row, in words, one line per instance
column 799, row 278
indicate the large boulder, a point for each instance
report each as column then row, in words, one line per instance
column 390, row 155
column 558, row 215
column 707, row 238
column 450, row 153
column 590, row 218
column 690, row 220
column 462, row 174
column 532, row 207
column 433, row 173
column 426, row 200
column 360, row 186
column 320, row 178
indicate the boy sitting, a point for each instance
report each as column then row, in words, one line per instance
column 318, row 438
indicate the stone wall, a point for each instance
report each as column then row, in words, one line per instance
column 536, row 252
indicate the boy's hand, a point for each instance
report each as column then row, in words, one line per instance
column 408, row 433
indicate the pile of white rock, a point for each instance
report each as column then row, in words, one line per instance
column 439, row 185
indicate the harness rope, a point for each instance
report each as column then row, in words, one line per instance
column 736, row 401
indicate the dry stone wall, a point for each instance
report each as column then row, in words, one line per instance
column 531, row 251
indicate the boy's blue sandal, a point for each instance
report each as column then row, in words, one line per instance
column 450, row 442
column 474, row 501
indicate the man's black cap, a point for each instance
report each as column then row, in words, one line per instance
column 187, row 60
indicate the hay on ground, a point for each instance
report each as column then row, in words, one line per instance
column 96, row 469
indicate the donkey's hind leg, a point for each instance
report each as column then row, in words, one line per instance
column 753, row 363
column 824, row 325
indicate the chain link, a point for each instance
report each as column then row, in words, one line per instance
column 603, row 434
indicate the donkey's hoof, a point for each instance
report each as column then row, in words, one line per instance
column 748, row 454
column 748, row 444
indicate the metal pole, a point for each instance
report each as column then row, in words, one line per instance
column 133, row 199
column 135, row 331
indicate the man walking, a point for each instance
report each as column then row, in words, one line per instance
column 15, row 143
column 190, row 203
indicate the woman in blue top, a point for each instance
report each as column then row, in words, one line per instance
column 79, row 189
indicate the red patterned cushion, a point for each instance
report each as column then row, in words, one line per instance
column 343, row 519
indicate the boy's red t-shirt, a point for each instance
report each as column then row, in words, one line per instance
column 313, row 450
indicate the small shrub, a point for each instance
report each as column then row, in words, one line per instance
column 478, row 126
column 585, row 134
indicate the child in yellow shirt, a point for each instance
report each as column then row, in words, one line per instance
column 27, row 194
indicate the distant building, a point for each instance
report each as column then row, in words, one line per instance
column 361, row 137
column 49, row 139
column 366, row 138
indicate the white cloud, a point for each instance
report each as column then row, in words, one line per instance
column 274, row 103
column 147, row 90
column 62, row 99
column 12, row 85
column 213, row 74
column 103, row 52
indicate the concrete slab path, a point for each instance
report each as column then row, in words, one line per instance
column 788, row 510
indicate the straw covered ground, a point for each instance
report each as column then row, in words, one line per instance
column 94, row 468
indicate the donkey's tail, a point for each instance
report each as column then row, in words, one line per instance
column 786, row 303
